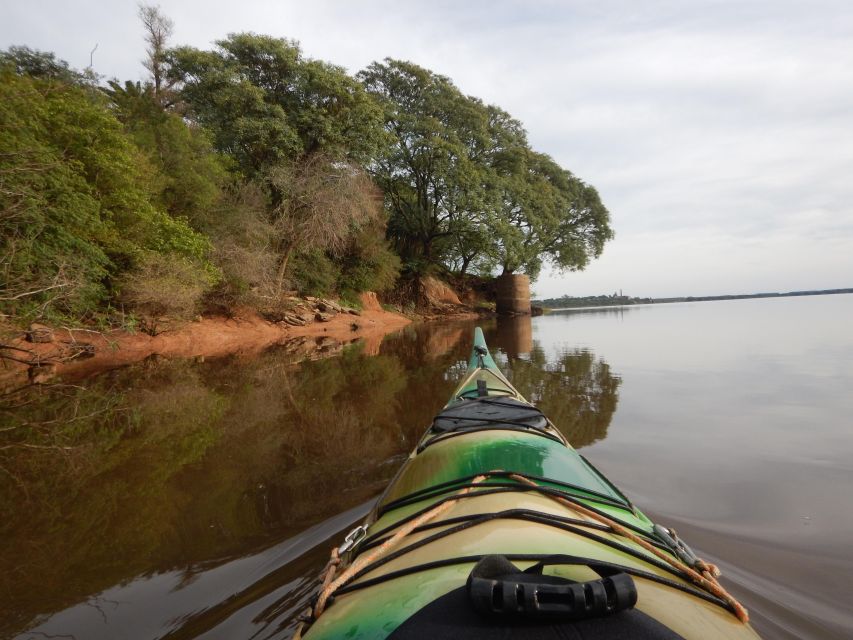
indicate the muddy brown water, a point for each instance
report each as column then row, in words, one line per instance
column 189, row 499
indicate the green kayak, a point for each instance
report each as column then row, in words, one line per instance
column 495, row 527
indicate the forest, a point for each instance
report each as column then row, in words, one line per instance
column 247, row 173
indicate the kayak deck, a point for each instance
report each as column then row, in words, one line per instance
column 508, row 489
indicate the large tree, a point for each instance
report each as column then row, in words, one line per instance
column 548, row 214
column 434, row 174
column 463, row 187
column 266, row 104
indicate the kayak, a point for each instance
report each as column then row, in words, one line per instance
column 495, row 527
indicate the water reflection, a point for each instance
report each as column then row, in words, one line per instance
column 199, row 495
column 573, row 387
column 617, row 311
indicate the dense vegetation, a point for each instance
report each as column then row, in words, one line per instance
column 237, row 175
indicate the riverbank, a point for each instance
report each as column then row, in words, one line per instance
column 48, row 353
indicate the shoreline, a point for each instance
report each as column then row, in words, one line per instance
column 79, row 353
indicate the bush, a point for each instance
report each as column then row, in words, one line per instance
column 368, row 264
column 165, row 285
column 75, row 208
column 50, row 217
column 314, row 274
column 243, row 240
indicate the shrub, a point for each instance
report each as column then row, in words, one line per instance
column 75, row 208
column 243, row 240
column 368, row 264
column 314, row 274
column 165, row 285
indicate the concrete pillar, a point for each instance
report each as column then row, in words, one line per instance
column 512, row 294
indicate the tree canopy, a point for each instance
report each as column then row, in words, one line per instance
column 265, row 103
column 463, row 187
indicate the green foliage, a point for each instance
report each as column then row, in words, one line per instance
column 432, row 175
column 549, row 214
column 266, row 104
column 165, row 285
column 94, row 181
column 186, row 174
column 368, row 264
column 315, row 274
column 464, row 189
column 39, row 64
column 74, row 207
column 51, row 221
column 244, row 241
column 323, row 206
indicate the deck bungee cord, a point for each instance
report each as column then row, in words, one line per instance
column 705, row 577
column 460, row 483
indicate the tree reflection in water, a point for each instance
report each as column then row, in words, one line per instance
column 573, row 387
column 184, row 466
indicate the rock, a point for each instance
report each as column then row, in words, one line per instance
column 311, row 298
column 273, row 315
column 323, row 317
column 307, row 315
column 355, row 326
column 351, row 311
column 327, row 306
column 295, row 320
column 324, row 308
column 39, row 333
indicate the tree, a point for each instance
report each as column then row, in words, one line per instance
column 75, row 211
column 434, row 175
column 186, row 174
column 463, row 187
column 158, row 30
column 24, row 61
column 324, row 203
column 549, row 215
column 266, row 104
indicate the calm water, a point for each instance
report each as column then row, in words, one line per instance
column 199, row 499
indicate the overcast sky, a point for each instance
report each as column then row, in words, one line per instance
column 719, row 134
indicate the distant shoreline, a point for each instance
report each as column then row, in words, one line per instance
column 581, row 302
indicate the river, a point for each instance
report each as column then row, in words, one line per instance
column 199, row 499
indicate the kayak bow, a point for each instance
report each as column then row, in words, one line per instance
column 496, row 527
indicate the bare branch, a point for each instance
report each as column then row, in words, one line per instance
column 36, row 292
